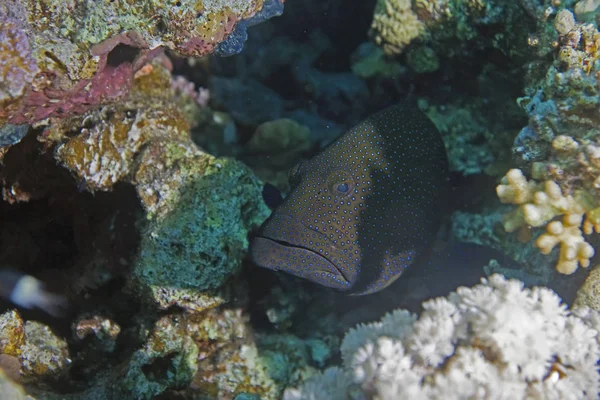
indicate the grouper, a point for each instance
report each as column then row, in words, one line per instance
column 360, row 212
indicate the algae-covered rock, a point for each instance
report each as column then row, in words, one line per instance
column 369, row 61
column 280, row 142
column 423, row 59
column 199, row 209
column 588, row 294
column 231, row 362
column 44, row 355
column 466, row 135
column 201, row 239
column 12, row 333
column 275, row 147
column 30, row 351
column 101, row 147
column 167, row 360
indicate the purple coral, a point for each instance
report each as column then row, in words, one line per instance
column 200, row 96
column 17, row 66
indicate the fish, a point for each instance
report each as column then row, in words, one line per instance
column 362, row 210
column 26, row 291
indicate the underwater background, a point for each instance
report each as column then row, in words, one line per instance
column 309, row 199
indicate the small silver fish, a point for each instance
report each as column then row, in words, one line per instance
column 27, row 292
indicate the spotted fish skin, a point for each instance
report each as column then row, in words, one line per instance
column 361, row 211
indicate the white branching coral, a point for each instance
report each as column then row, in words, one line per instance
column 496, row 340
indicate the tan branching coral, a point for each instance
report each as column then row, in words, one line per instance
column 539, row 204
column 574, row 249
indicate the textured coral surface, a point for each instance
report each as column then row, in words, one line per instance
column 63, row 58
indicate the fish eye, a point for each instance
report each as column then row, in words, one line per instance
column 342, row 187
column 340, row 183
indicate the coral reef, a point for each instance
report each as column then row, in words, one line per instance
column 203, row 238
column 12, row 333
column 559, row 148
column 43, row 354
column 189, row 200
column 212, row 353
column 235, row 41
column 167, row 343
column 449, row 28
column 65, row 58
column 145, row 141
column 492, row 340
column 119, row 194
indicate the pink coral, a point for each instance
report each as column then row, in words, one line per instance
column 181, row 84
column 110, row 83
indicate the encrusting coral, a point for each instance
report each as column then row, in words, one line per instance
column 588, row 294
column 449, row 28
column 562, row 100
column 395, row 25
column 64, row 58
column 494, row 340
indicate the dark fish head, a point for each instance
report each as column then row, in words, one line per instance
column 360, row 211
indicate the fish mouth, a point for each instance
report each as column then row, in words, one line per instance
column 298, row 260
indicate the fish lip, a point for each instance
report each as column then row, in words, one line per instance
column 344, row 284
column 295, row 223
column 336, row 271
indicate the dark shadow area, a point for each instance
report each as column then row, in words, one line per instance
column 80, row 245
column 121, row 54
